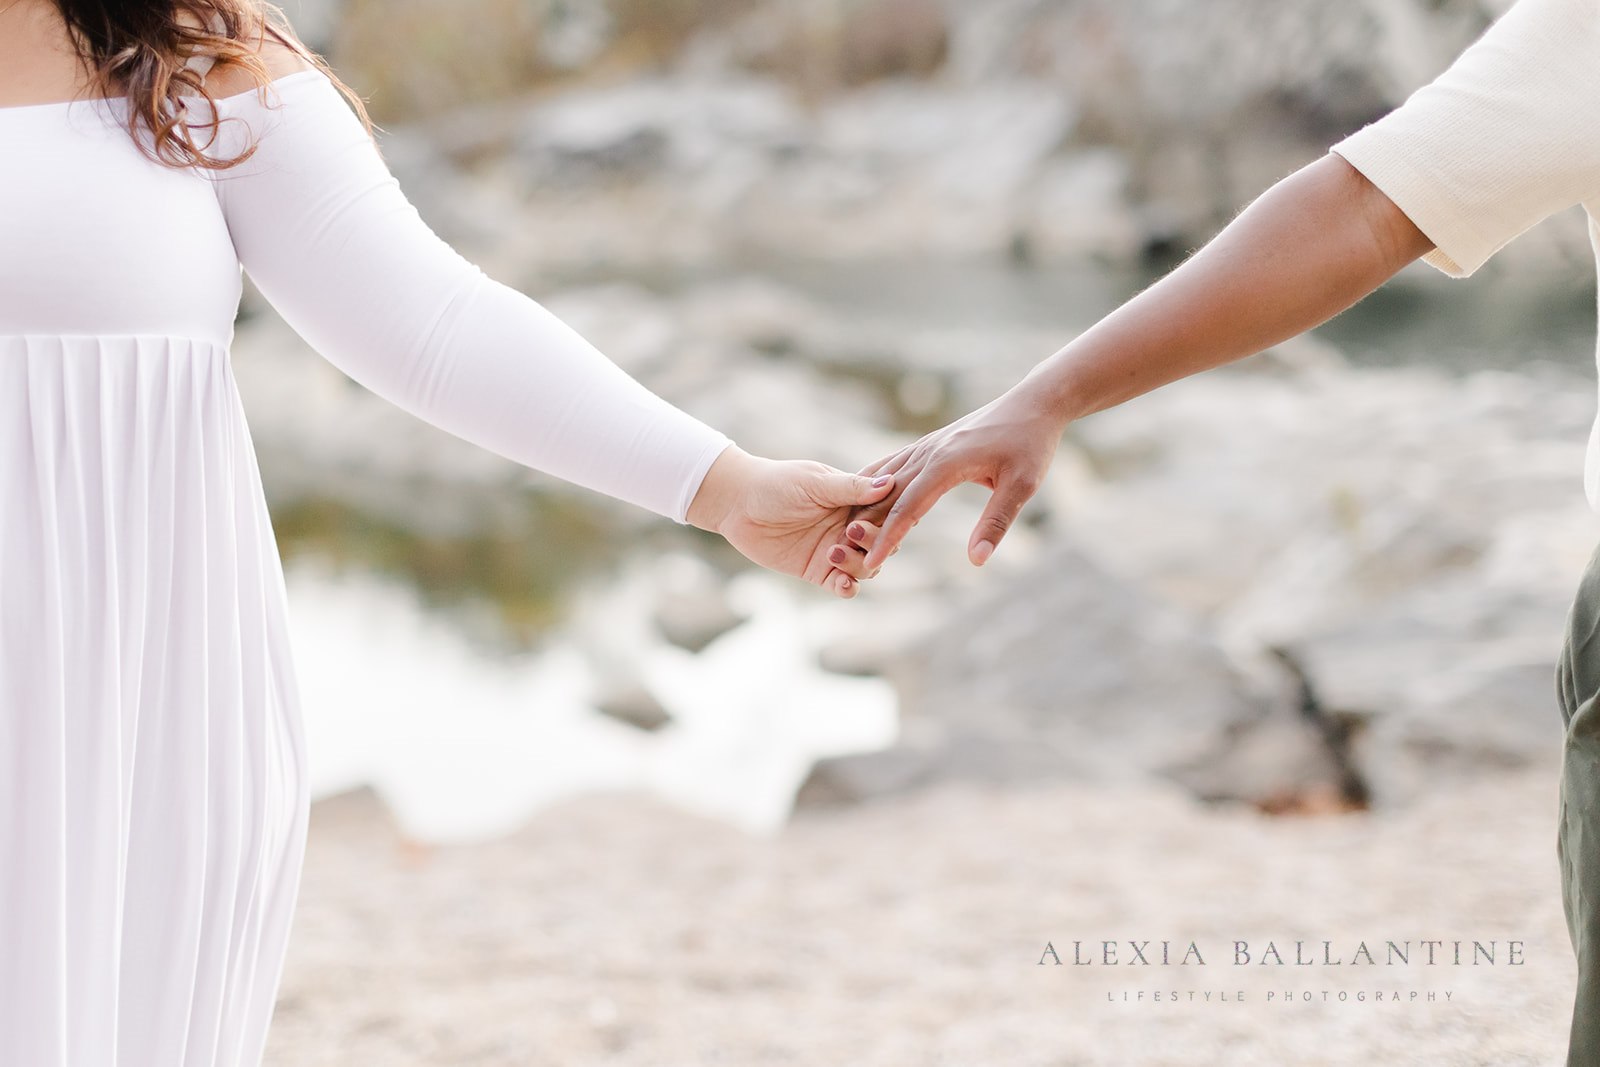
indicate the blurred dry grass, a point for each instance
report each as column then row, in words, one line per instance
column 653, row 31
column 415, row 58
column 848, row 42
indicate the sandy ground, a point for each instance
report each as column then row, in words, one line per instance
column 614, row 931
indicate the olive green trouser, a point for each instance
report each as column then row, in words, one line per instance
column 1578, row 833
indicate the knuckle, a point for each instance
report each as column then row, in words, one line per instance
column 1027, row 483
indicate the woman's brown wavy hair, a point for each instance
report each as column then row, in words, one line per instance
column 141, row 49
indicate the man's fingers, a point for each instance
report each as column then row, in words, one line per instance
column 1005, row 504
column 920, row 493
column 873, row 514
column 877, row 511
column 900, row 466
column 903, row 466
column 888, row 464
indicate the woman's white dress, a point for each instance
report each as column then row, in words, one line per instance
column 153, row 797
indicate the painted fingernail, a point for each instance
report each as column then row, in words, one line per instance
column 881, row 482
column 982, row 552
column 837, row 555
column 856, row 530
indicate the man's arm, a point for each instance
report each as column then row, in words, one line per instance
column 1307, row 249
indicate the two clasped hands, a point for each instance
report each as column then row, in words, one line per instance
column 835, row 529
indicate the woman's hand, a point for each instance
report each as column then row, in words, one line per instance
column 1005, row 445
column 788, row 515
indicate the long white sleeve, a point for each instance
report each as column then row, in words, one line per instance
column 323, row 229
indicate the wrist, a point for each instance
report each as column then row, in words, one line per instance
column 1048, row 394
column 722, row 489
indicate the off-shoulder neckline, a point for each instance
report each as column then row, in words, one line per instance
column 111, row 101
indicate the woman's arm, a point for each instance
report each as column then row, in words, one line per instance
column 1311, row 246
column 325, row 232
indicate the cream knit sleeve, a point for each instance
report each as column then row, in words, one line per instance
column 1506, row 137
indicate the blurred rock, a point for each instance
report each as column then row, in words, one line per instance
column 822, row 46
column 710, row 169
column 755, row 406
column 634, row 705
column 852, row 779
column 652, row 127
column 1413, row 540
column 1046, row 132
column 1079, row 207
column 1068, row 671
column 754, row 314
column 691, row 607
column 896, row 617
column 1208, row 116
column 314, row 21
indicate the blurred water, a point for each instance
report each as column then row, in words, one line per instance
column 1463, row 324
column 465, row 743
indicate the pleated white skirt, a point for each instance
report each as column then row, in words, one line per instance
column 153, row 794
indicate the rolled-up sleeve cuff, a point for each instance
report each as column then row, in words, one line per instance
column 1459, row 249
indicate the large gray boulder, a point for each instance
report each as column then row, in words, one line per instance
column 1411, row 539
column 1069, row 671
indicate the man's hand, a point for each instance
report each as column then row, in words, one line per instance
column 1005, row 446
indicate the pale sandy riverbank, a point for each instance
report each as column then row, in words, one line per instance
column 614, row 931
